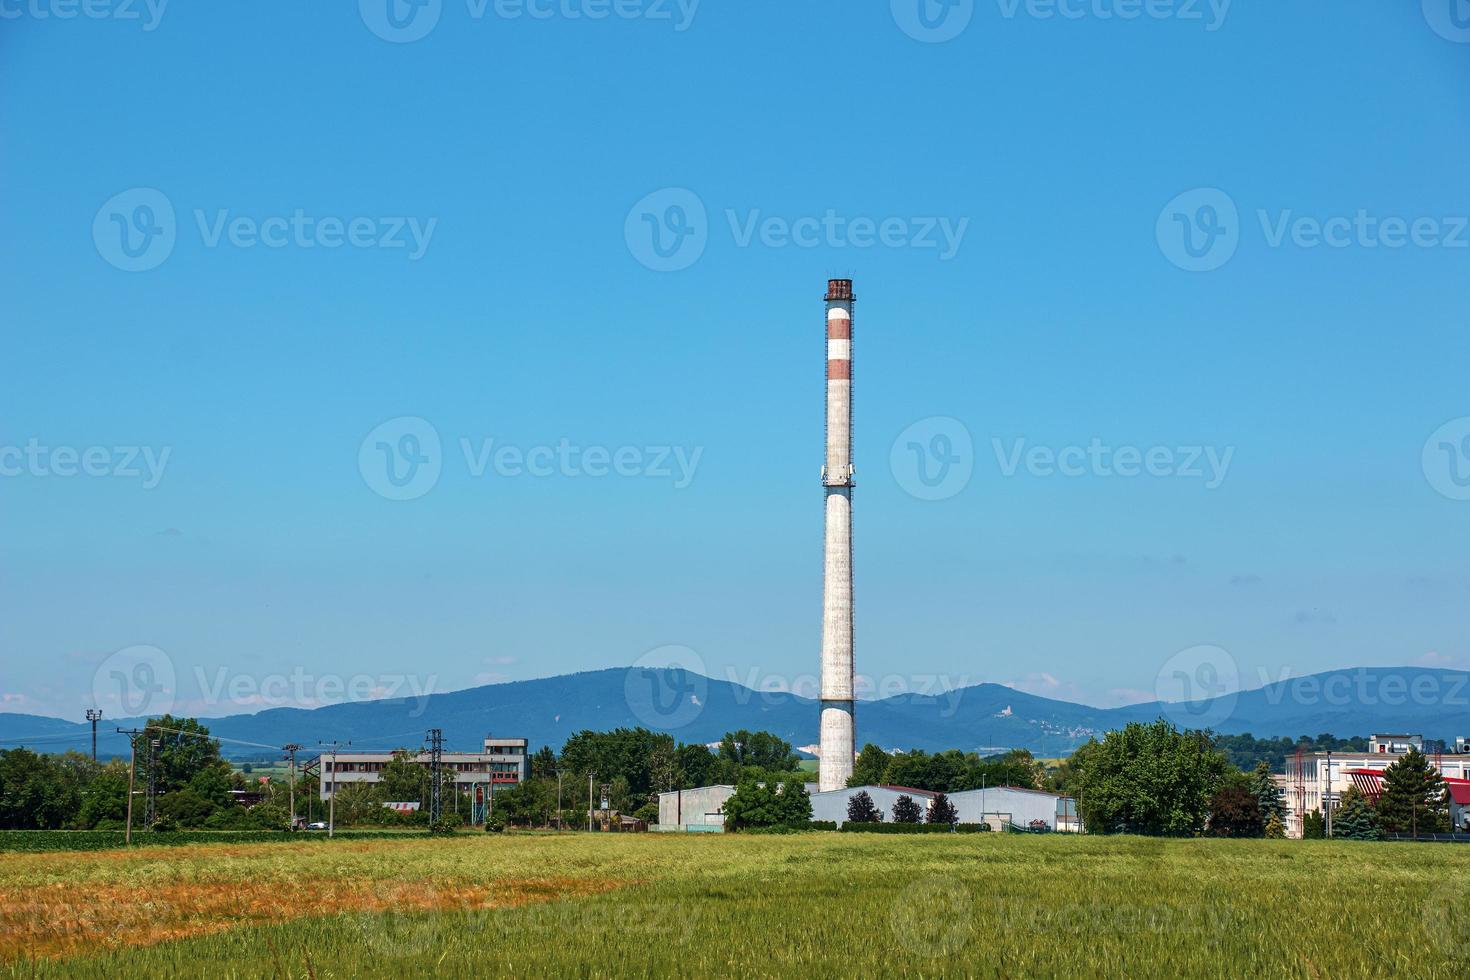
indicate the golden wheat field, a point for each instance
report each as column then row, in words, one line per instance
column 809, row 904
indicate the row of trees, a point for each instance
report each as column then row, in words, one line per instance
column 951, row 771
column 193, row 787
column 1154, row 779
column 1413, row 800
column 862, row 809
column 637, row 764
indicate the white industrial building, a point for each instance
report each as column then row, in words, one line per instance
column 1012, row 806
column 503, row 763
column 703, row 809
column 832, row 805
column 1312, row 776
column 693, row 809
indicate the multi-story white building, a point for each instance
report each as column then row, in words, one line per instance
column 1312, row 776
column 504, row 763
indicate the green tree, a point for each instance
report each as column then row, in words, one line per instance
column 543, row 763
column 905, row 810
column 760, row 750
column 1149, row 779
column 1234, row 812
column 663, row 767
column 35, row 792
column 403, row 779
column 1314, row 826
column 1269, row 797
column 359, row 803
column 697, row 766
column 794, row 803
column 860, row 808
column 183, row 749
column 1354, row 818
column 752, row 805
column 870, row 768
column 528, row 804
column 942, row 811
column 184, row 809
column 1275, row 829
column 105, row 800
column 1414, row 798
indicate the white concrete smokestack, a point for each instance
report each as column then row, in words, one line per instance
column 837, row 721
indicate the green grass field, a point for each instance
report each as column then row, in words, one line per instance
column 808, row 904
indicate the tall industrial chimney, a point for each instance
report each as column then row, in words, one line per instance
column 837, row 483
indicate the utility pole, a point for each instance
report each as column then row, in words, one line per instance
column 589, row 801
column 558, row 800
column 150, row 814
column 291, row 749
column 332, row 796
column 94, row 715
column 1327, row 799
column 132, row 734
column 436, row 759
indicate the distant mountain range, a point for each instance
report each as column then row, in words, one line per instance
column 1358, row 701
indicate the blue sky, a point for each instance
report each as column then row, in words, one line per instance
column 500, row 170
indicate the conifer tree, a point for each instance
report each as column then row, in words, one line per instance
column 942, row 811
column 1414, row 797
column 1269, row 796
column 1354, row 818
column 905, row 810
column 860, row 808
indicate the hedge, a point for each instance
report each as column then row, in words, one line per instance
column 36, row 841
